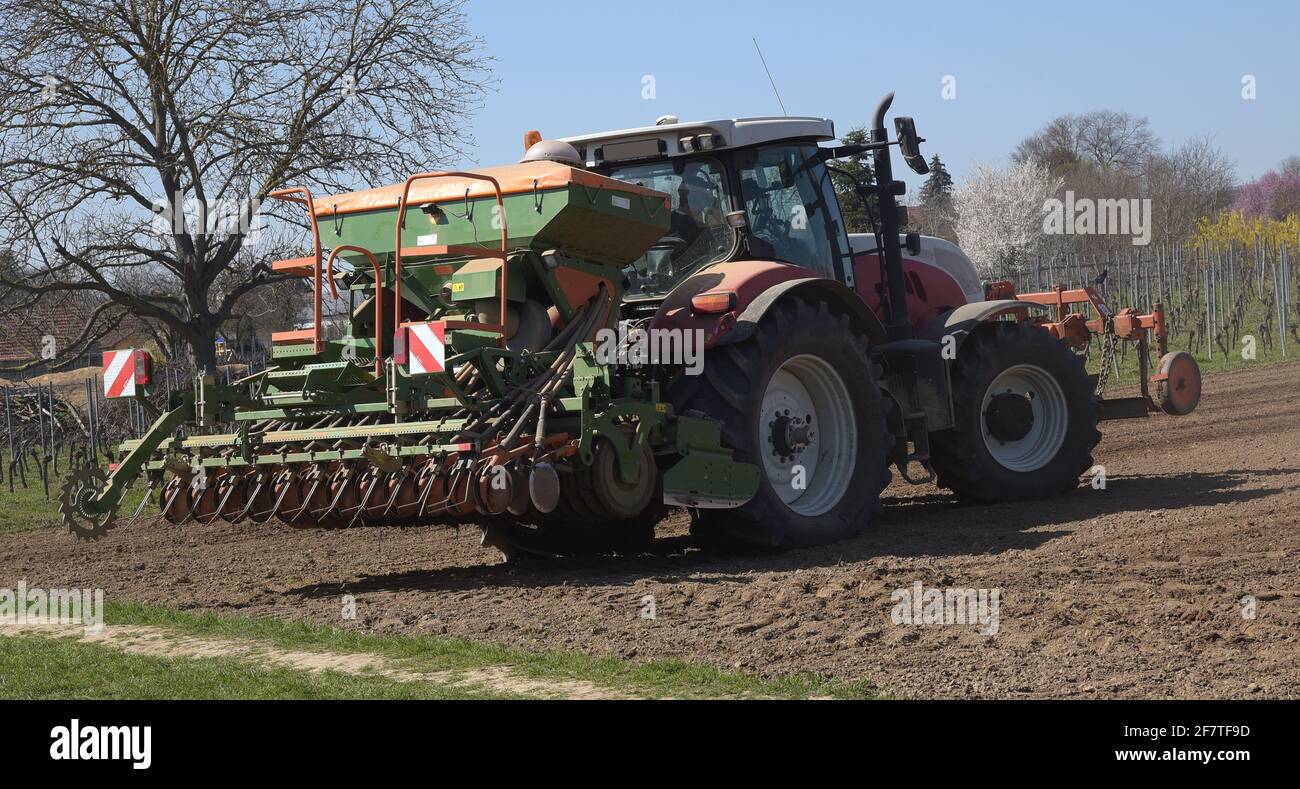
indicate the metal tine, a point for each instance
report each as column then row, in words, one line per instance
column 306, row 500
column 222, row 505
column 148, row 491
column 275, row 508
column 261, row 480
column 370, row 489
column 335, row 503
column 401, row 477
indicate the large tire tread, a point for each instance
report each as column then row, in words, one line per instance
column 959, row 457
column 733, row 379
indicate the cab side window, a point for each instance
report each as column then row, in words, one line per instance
column 785, row 194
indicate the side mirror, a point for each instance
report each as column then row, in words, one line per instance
column 912, row 241
column 910, row 145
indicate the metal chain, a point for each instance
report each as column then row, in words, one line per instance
column 1107, row 360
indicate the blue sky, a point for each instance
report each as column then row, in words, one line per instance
column 567, row 68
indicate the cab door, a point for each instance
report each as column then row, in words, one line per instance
column 793, row 213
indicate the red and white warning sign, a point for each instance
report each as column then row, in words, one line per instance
column 124, row 370
column 427, row 349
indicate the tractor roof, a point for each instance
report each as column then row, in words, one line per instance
column 677, row 138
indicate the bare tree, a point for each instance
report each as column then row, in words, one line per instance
column 1101, row 139
column 138, row 138
column 1194, row 180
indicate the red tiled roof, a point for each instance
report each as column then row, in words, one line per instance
column 23, row 331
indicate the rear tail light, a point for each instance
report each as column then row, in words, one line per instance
column 400, row 355
column 143, row 367
column 713, row 303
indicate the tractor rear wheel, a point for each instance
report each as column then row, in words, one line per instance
column 799, row 398
column 1025, row 417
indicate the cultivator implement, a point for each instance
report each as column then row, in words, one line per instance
column 1177, row 380
column 468, row 385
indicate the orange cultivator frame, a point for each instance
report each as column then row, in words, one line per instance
column 1178, row 378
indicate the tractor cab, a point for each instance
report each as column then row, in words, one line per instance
column 746, row 188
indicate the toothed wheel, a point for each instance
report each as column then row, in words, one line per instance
column 75, row 497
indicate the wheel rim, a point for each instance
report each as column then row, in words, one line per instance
column 806, row 420
column 1048, row 410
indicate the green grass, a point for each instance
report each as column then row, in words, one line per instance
column 27, row 508
column 42, row 667
column 35, row 666
column 660, row 678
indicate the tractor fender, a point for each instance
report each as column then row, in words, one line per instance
column 757, row 285
column 961, row 321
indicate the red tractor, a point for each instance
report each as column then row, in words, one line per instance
column 830, row 357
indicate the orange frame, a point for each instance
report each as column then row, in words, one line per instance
column 313, row 334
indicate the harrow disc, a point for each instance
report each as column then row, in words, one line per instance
column 203, row 492
column 174, row 500
column 313, row 492
column 287, row 494
column 232, row 496
column 262, row 495
column 78, row 491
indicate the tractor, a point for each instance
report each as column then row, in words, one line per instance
column 668, row 316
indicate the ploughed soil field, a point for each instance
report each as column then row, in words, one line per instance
column 1181, row 578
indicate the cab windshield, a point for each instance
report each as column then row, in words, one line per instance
column 698, row 233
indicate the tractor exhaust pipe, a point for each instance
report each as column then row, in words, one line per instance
column 888, row 190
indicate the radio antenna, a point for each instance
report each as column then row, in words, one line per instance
column 763, row 60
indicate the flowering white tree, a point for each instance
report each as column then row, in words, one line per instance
column 1000, row 215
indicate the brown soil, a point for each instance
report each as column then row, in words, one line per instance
column 1130, row 591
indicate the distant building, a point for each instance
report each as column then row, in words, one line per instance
column 52, row 326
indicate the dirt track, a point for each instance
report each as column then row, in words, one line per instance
column 1134, row 590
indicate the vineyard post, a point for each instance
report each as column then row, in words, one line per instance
column 90, row 421
column 1232, row 275
column 1277, row 304
column 40, row 418
column 54, row 450
column 1217, row 279
column 1258, row 269
column 94, row 407
column 1209, row 344
column 1146, row 279
column 9, row 429
column 100, row 403
column 1281, row 297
